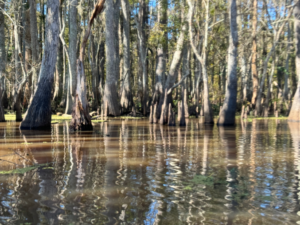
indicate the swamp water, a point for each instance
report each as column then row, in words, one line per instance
column 132, row 172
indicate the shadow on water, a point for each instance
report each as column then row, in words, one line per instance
column 132, row 172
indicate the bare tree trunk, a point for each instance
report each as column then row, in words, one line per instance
column 126, row 94
column 269, row 88
column 207, row 110
column 34, row 45
column 112, row 65
column 173, row 72
column 286, row 94
column 227, row 114
column 38, row 116
column 161, row 54
column 81, row 119
column 295, row 110
column 95, row 71
column 265, row 65
column 59, row 68
column 72, row 54
column 254, row 54
column 185, row 70
column 2, row 59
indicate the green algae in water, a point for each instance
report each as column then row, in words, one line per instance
column 199, row 179
column 25, row 169
column 19, row 170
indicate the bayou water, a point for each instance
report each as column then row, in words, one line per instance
column 133, row 172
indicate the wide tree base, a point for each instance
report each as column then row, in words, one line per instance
column 81, row 120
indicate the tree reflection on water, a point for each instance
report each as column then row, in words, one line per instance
column 132, row 172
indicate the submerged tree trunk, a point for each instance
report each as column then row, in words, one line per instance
column 2, row 59
column 295, row 110
column 227, row 114
column 126, row 94
column 38, row 116
column 81, row 119
column 112, row 64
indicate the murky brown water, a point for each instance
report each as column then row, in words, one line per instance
column 131, row 172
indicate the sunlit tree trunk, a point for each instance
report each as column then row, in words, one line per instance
column 81, row 119
column 295, row 110
column 207, row 110
column 38, row 116
column 254, row 54
column 112, row 64
column 227, row 114
column 34, row 45
column 126, row 94
column 2, row 59
column 72, row 54
column 161, row 54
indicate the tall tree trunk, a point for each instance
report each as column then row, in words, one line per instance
column 2, row 59
column 18, row 60
column 286, row 92
column 185, row 70
column 95, row 73
column 34, row 45
column 173, row 73
column 112, row 64
column 72, row 54
column 227, row 114
column 254, row 54
column 126, row 95
column 38, row 116
column 295, row 110
column 161, row 54
column 208, row 113
column 59, row 68
column 142, row 52
column 81, row 119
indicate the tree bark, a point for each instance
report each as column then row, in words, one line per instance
column 126, row 94
column 112, row 64
column 265, row 65
column 173, row 71
column 161, row 54
column 2, row 59
column 207, row 110
column 81, row 119
column 38, row 116
column 72, row 54
column 34, row 45
column 227, row 115
column 254, row 54
column 295, row 110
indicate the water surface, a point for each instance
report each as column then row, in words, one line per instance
column 132, row 172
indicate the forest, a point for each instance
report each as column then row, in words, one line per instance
column 153, row 58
